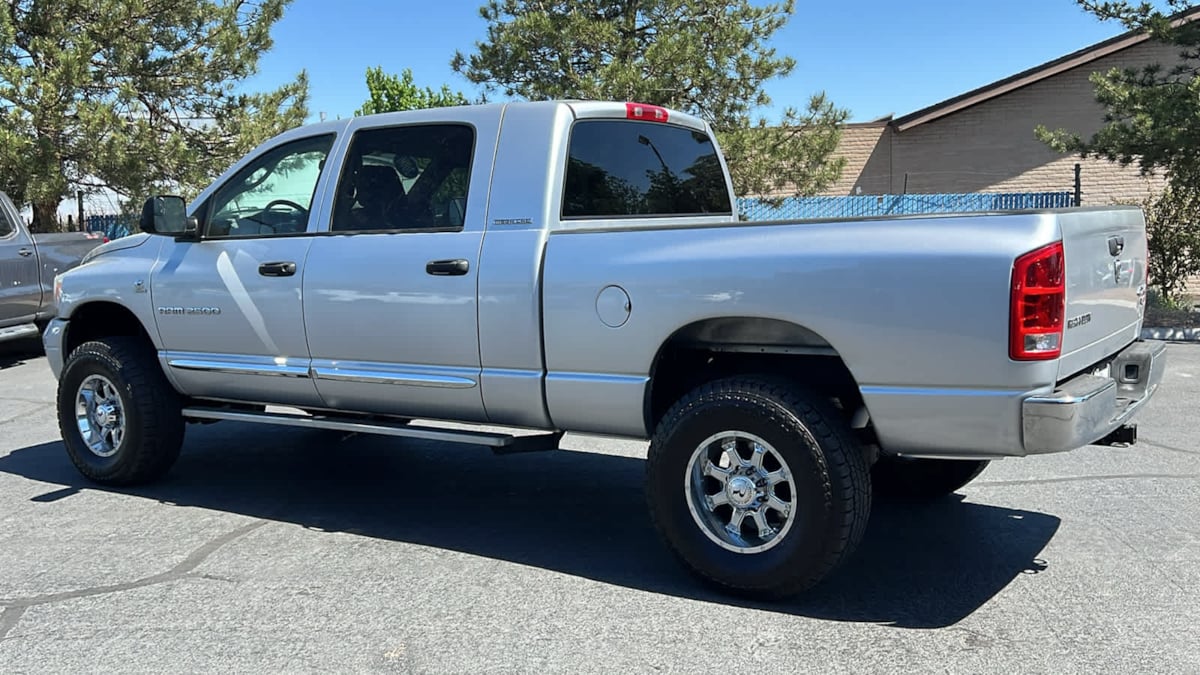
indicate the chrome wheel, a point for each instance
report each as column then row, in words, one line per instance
column 741, row 492
column 100, row 415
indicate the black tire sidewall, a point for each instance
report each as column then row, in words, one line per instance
column 97, row 359
column 806, row 545
column 914, row 479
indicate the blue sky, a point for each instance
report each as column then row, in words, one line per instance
column 869, row 56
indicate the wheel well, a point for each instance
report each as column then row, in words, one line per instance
column 716, row 348
column 102, row 319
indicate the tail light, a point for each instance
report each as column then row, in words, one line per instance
column 1039, row 296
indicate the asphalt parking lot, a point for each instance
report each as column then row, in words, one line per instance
column 304, row 551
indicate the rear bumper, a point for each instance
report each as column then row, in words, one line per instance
column 1088, row 407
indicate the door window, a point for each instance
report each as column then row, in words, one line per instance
column 6, row 225
column 272, row 195
column 405, row 178
column 619, row 168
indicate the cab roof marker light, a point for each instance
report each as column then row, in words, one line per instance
column 645, row 112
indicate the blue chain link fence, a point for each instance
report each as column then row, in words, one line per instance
column 796, row 208
column 113, row 227
column 861, row 206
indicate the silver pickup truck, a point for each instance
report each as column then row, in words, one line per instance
column 28, row 265
column 552, row 267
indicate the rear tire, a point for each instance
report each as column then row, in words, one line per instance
column 799, row 482
column 919, row 480
column 120, row 419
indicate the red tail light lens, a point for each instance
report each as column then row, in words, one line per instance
column 1039, row 296
column 645, row 113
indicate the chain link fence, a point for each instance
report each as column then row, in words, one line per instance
column 792, row 208
column 863, row 206
column 113, row 227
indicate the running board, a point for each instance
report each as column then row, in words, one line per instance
column 25, row 330
column 501, row 444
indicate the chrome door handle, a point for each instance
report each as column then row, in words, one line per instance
column 25, row 252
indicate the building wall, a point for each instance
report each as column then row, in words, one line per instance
column 991, row 147
column 867, row 148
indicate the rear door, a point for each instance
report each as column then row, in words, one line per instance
column 390, row 299
column 20, row 292
column 1105, row 258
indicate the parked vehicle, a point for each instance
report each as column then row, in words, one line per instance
column 581, row 267
column 28, row 264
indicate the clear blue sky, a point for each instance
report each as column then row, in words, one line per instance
column 869, row 56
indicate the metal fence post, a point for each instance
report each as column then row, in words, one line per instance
column 1078, row 184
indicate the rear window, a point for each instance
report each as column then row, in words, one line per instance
column 621, row 168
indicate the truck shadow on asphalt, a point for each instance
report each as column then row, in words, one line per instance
column 572, row 512
column 18, row 352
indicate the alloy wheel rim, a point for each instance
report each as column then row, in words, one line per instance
column 100, row 416
column 741, row 492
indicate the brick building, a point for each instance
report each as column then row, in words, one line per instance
column 983, row 140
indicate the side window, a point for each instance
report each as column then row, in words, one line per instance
column 405, row 178
column 623, row 168
column 6, row 224
column 272, row 195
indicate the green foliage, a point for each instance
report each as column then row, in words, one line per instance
column 134, row 96
column 705, row 57
column 391, row 93
column 1152, row 115
column 1171, row 225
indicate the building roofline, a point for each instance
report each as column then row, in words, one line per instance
column 1035, row 74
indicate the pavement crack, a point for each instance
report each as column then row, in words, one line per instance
column 1084, row 479
column 1169, row 448
column 8, row 619
column 27, row 413
column 15, row 607
column 36, row 401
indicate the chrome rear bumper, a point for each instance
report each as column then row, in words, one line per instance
column 1087, row 408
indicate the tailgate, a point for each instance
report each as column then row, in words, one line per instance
column 1105, row 262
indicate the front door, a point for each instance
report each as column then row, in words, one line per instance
column 229, row 307
column 20, row 289
column 390, row 306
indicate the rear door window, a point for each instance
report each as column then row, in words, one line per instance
column 629, row 169
column 405, row 178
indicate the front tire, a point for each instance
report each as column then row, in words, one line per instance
column 921, row 480
column 757, row 486
column 120, row 419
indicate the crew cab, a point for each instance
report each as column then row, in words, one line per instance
column 28, row 265
column 552, row 267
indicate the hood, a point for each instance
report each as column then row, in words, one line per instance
column 132, row 241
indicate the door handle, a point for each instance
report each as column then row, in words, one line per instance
column 277, row 269
column 447, row 268
column 25, row 252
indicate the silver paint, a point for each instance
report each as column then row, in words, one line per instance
column 916, row 307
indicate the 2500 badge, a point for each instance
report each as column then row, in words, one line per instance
column 180, row 311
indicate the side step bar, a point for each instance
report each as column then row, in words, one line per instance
column 501, row 444
column 25, row 330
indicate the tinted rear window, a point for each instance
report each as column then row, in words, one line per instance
column 619, row 168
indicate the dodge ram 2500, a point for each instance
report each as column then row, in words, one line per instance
column 581, row 267
column 28, row 265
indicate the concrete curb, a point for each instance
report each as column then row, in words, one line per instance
column 1171, row 334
